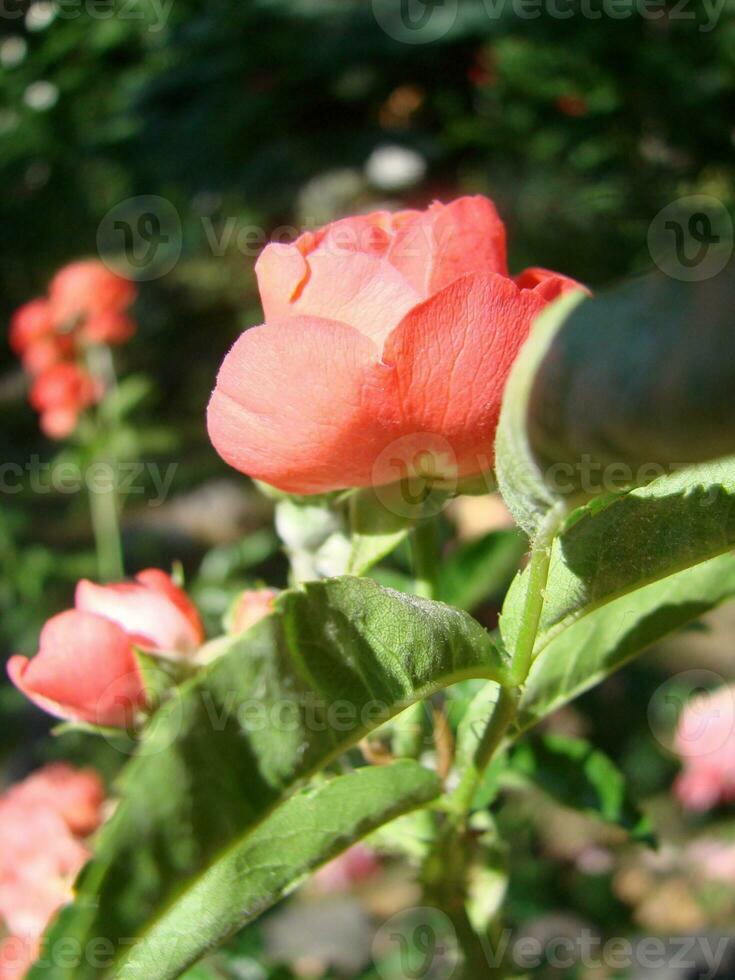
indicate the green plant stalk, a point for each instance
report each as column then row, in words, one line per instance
column 103, row 497
column 538, row 574
column 504, row 712
column 445, row 873
column 103, row 505
column 425, row 553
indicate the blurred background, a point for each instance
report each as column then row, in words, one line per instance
column 236, row 121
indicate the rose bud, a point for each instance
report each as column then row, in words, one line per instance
column 108, row 327
column 379, row 328
column 88, row 288
column 60, row 394
column 47, row 351
column 153, row 611
column 30, row 323
column 252, row 606
column 85, row 670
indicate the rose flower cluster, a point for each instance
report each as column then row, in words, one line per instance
column 86, row 305
column 44, row 821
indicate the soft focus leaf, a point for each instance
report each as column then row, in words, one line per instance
column 376, row 529
column 290, row 695
column 479, row 569
column 520, row 480
column 578, row 775
column 609, row 390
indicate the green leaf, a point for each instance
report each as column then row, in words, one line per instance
column 625, row 571
column 309, row 829
column 376, row 529
column 480, row 569
column 126, row 396
column 610, row 391
column 520, row 479
column 579, row 776
column 289, row 696
column 612, row 547
column 592, row 647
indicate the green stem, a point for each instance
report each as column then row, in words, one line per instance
column 106, row 528
column 425, row 551
column 504, row 711
column 447, row 866
column 538, row 574
column 103, row 497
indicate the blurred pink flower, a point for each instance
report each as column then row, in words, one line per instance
column 713, row 859
column 252, row 606
column 356, row 864
column 86, row 305
column 705, row 742
column 60, row 394
column 17, row 955
column 42, row 821
column 88, row 288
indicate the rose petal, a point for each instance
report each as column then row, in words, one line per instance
column 303, row 404
column 336, row 282
column 449, row 241
column 452, row 356
column 85, row 670
column 546, row 283
column 157, row 615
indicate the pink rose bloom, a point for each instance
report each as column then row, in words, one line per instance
column 88, row 288
column 41, row 822
column 350, row 868
column 252, row 606
column 86, row 668
column 30, row 323
column 60, row 394
column 152, row 610
column 378, row 328
column 705, row 741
